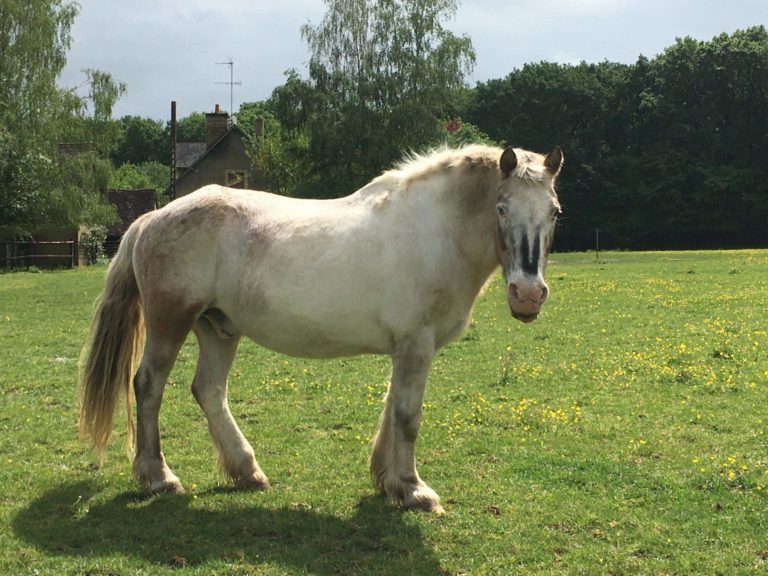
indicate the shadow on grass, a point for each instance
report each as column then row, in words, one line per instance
column 170, row 530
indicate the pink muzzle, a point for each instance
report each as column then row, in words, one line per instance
column 526, row 298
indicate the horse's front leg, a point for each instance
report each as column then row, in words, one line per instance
column 393, row 463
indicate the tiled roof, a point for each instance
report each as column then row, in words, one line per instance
column 130, row 205
column 187, row 153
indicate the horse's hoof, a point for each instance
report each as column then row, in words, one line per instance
column 167, row 488
column 253, row 484
column 426, row 506
column 424, row 499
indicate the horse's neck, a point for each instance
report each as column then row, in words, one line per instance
column 470, row 198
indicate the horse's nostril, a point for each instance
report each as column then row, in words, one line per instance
column 513, row 292
column 521, row 291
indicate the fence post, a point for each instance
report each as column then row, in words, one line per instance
column 597, row 244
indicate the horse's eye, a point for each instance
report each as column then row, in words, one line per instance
column 502, row 210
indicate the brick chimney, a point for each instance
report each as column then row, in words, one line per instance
column 216, row 125
column 258, row 126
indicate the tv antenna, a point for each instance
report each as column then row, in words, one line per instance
column 231, row 83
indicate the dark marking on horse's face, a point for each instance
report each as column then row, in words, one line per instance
column 530, row 258
column 523, row 246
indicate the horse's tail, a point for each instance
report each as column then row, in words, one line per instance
column 110, row 355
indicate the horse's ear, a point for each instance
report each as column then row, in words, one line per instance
column 554, row 161
column 508, row 161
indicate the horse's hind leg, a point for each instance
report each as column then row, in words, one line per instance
column 168, row 322
column 218, row 345
column 149, row 467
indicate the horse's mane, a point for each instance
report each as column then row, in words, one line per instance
column 415, row 166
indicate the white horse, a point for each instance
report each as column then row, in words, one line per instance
column 392, row 269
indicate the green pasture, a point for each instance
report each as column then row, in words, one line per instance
column 622, row 433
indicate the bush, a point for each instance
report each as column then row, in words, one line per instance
column 93, row 242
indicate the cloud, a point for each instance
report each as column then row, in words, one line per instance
column 168, row 49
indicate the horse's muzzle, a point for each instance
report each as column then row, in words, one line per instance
column 526, row 298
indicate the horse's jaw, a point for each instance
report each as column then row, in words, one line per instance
column 525, row 318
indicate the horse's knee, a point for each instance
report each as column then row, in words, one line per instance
column 143, row 384
column 154, row 368
column 209, row 392
column 407, row 422
column 199, row 390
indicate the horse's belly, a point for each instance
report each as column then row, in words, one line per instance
column 306, row 337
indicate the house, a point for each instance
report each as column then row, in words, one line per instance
column 221, row 159
column 129, row 204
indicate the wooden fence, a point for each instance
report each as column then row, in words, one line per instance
column 39, row 253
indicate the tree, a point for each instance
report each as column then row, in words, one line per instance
column 277, row 152
column 191, row 128
column 381, row 75
column 697, row 129
column 563, row 105
column 34, row 39
column 456, row 133
column 142, row 140
column 90, row 119
column 74, row 196
column 145, row 175
column 37, row 187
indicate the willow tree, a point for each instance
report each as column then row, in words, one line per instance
column 381, row 73
column 34, row 39
column 35, row 115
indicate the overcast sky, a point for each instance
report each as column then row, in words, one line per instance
column 169, row 49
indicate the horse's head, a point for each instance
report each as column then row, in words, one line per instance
column 527, row 209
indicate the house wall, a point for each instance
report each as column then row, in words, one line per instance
column 228, row 155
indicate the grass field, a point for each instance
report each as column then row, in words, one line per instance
column 624, row 432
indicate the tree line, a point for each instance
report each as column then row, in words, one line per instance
column 663, row 153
